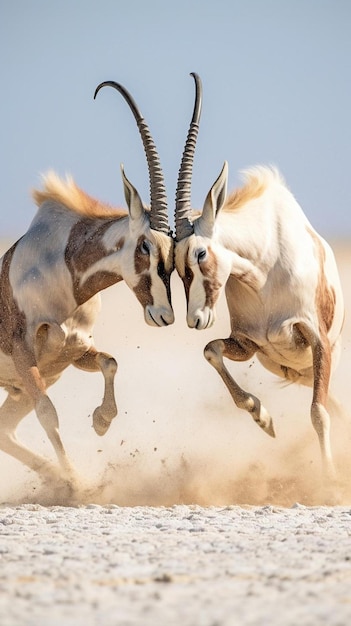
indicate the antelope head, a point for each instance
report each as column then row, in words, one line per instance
column 148, row 246
column 200, row 261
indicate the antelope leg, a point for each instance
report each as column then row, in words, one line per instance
column 13, row 410
column 46, row 413
column 94, row 361
column 321, row 353
column 238, row 350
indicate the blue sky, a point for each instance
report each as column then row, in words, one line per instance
column 277, row 89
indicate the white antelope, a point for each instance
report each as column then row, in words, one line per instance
column 280, row 278
column 49, row 294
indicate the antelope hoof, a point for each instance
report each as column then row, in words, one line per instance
column 264, row 420
column 100, row 424
column 269, row 428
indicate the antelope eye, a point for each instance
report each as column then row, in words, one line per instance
column 145, row 247
column 201, row 255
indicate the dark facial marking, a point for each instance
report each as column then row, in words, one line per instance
column 143, row 290
column 141, row 260
column 187, row 280
column 211, row 284
column 165, row 277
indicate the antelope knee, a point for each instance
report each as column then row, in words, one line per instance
column 213, row 351
column 108, row 365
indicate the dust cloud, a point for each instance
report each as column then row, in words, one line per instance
column 178, row 437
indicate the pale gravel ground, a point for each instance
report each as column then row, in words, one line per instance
column 187, row 565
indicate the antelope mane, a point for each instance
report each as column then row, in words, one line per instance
column 66, row 192
column 256, row 180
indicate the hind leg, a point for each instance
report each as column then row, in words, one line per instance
column 238, row 350
column 13, row 410
column 94, row 361
column 321, row 353
column 35, row 387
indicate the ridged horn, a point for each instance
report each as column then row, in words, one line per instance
column 158, row 197
column 183, row 223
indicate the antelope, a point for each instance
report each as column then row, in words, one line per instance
column 280, row 280
column 50, row 284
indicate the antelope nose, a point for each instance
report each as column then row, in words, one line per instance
column 195, row 321
column 167, row 317
column 201, row 319
column 159, row 317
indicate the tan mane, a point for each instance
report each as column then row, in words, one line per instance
column 257, row 179
column 66, row 192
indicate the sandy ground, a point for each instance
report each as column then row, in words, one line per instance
column 186, row 512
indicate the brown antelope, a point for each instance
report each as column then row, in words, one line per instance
column 280, row 278
column 49, row 296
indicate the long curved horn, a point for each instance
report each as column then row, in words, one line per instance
column 184, row 226
column 158, row 197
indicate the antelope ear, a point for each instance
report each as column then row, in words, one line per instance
column 133, row 200
column 214, row 201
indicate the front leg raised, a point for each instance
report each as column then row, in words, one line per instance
column 238, row 351
column 93, row 361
